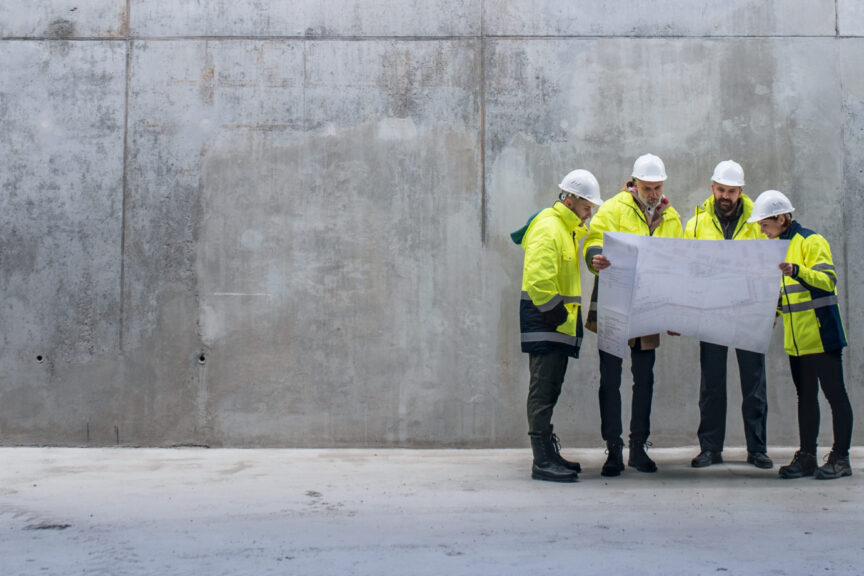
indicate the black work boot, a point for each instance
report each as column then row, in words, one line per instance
column 638, row 458
column 556, row 451
column 545, row 467
column 803, row 464
column 615, row 461
column 836, row 467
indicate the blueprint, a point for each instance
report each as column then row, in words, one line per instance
column 719, row 291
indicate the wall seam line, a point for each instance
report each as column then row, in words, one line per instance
column 423, row 38
column 125, row 192
column 483, row 224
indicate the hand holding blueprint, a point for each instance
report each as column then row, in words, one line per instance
column 719, row 291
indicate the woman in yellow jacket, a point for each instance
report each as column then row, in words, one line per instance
column 813, row 336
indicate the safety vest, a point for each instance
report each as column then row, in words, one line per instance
column 808, row 302
column 550, row 309
column 706, row 226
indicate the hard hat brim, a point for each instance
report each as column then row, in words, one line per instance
column 758, row 219
column 725, row 182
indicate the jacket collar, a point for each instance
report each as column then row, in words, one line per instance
column 571, row 220
column 791, row 231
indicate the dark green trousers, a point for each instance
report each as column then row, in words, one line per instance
column 547, row 377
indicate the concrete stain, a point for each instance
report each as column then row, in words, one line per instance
column 60, row 28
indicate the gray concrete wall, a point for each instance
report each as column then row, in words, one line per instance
column 286, row 223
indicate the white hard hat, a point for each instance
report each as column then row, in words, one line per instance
column 649, row 168
column 770, row 203
column 729, row 173
column 582, row 183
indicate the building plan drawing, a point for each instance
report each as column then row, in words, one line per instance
column 719, row 291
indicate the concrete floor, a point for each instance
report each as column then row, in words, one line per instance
column 226, row 512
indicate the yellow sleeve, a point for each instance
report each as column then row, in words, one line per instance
column 542, row 260
column 818, row 269
column 603, row 221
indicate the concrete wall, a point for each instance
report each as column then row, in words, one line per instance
column 265, row 223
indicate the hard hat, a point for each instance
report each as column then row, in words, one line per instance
column 770, row 203
column 728, row 173
column 583, row 184
column 649, row 168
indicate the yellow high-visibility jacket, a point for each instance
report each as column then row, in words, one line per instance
column 808, row 301
column 621, row 213
column 550, row 314
column 706, row 226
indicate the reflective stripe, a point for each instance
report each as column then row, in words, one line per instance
column 794, row 288
column 554, row 301
column 551, row 337
column 820, row 267
column 811, row 305
column 550, row 304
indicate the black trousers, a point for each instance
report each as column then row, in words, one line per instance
column 642, row 368
column 712, row 397
column 547, row 377
column 808, row 372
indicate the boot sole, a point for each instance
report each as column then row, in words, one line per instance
column 705, row 464
column 823, row 476
column 561, row 479
column 788, row 476
column 646, row 469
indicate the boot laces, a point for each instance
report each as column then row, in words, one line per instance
column 556, row 444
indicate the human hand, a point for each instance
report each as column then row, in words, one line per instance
column 787, row 268
column 600, row 262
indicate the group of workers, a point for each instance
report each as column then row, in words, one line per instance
column 551, row 322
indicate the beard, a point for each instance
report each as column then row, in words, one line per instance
column 648, row 203
column 725, row 207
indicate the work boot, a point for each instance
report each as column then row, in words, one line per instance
column 803, row 464
column 706, row 458
column 545, row 467
column 760, row 460
column 615, row 461
column 556, row 451
column 639, row 459
column 836, row 467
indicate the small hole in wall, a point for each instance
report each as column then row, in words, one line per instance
column 202, row 359
column 40, row 358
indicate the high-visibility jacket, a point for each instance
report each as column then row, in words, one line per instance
column 706, row 226
column 808, row 301
column 550, row 314
column 621, row 213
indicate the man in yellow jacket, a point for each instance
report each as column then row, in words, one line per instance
column 813, row 336
column 723, row 216
column 550, row 314
column 640, row 208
